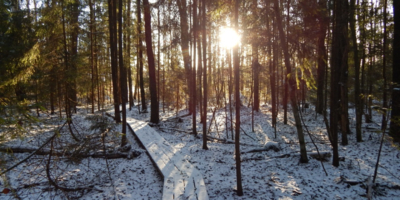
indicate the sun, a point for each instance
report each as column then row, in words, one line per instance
column 228, row 37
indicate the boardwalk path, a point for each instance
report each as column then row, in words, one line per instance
column 181, row 179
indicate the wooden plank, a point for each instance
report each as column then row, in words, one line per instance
column 181, row 179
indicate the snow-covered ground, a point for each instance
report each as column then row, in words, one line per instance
column 265, row 175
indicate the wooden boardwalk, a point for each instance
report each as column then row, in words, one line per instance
column 181, row 179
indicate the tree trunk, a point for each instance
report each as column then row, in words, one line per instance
column 256, row 77
column 292, row 85
column 129, row 68
column 185, row 37
column 357, row 93
column 92, row 54
column 158, row 55
column 154, row 115
column 272, row 74
column 322, row 56
column 230, row 88
column 122, row 72
column 75, row 12
column 237, row 106
column 395, row 116
column 204, row 38
column 140, row 48
column 338, row 64
column 114, row 64
column 200, row 66
column 384, row 103
column 195, row 28
column 344, row 71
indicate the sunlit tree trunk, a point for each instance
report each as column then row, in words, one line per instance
column 185, row 37
column 292, row 85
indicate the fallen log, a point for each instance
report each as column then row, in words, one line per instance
column 42, row 151
column 270, row 145
column 319, row 156
column 322, row 155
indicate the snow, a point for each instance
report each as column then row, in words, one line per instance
column 265, row 174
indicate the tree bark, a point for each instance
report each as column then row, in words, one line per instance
column 114, row 64
column 194, row 91
column 384, row 54
column 154, row 115
column 185, row 37
column 338, row 63
column 140, row 58
column 237, row 106
column 395, row 115
column 357, row 92
column 204, row 38
column 292, row 85
column 322, row 56
column 256, row 77
column 122, row 73
column 129, row 68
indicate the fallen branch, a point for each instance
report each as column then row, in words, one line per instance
column 243, row 131
column 34, row 153
column 173, row 129
column 316, row 147
column 51, row 181
column 225, row 141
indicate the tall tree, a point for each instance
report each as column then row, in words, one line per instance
column 195, row 29
column 384, row 55
column 129, row 68
column 74, row 9
column 122, row 74
column 255, row 63
column 140, row 57
column 154, row 115
column 185, row 37
column 338, row 63
column 322, row 55
column 204, row 38
column 357, row 91
column 292, row 85
column 395, row 115
column 237, row 104
column 344, row 71
column 92, row 53
column 114, row 63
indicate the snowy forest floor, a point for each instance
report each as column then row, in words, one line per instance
column 265, row 174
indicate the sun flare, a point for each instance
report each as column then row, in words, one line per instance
column 228, row 37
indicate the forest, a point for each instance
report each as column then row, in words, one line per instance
column 259, row 99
